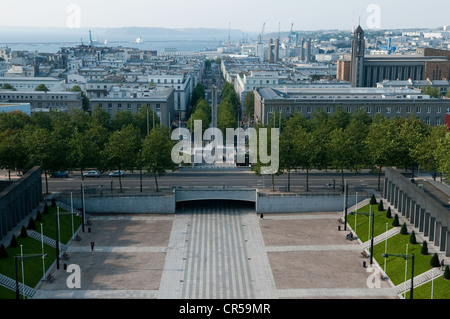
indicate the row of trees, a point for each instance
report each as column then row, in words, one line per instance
column 67, row 141
column 344, row 141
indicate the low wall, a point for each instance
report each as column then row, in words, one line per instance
column 304, row 203
column 130, row 205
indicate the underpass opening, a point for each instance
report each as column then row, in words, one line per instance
column 207, row 206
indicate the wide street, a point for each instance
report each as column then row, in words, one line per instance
column 319, row 181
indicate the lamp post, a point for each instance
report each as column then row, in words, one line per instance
column 370, row 214
column 57, row 230
column 406, row 257
column 22, row 258
column 140, row 167
column 345, row 205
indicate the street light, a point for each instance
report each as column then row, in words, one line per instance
column 140, row 167
column 406, row 257
column 23, row 258
column 57, row 234
column 373, row 223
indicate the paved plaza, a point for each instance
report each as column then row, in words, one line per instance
column 216, row 251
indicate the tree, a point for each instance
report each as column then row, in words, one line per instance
column 226, row 116
column 41, row 88
column 410, row 133
column 31, row 224
column 404, row 229
column 389, row 213
column 46, row 208
column 84, row 152
column 38, row 216
column 424, row 249
column 157, row 152
column 447, row 273
column 341, row 147
column 12, row 153
column 3, row 252
column 373, row 200
column 429, row 160
column 381, row 144
column 380, row 206
column 412, row 238
column 396, row 222
column 122, row 148
column 13, row 242
column 197, row 94
column 249, row 104
column 434, row 262
column 431, row 91
column 42, row 150
column 441, row 154
column 85, row 102
column 23, row 232
column 8, row 86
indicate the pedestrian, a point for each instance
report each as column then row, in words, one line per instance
column 261, row 216
column 92, row 246
column 442, row 264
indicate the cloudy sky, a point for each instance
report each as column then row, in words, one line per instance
column 246, row 15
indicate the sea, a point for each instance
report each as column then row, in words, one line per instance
column 50, row 41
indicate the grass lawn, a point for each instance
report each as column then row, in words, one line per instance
column 65, row 222
column 6, row 293
column 395, row 266
column 33, row 267
column 441, row 290
column 362, row 229
column 33, row 271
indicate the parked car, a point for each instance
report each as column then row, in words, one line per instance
column 91, row 174
column 116, row 173
column 60, row 174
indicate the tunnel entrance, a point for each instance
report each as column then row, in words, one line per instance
column 214, row 206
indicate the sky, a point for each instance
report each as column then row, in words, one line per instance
column 245, row 15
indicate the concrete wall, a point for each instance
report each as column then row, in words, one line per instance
column 18, row 200
column 244, row 194
column 131, row 205
column 422, row 211
column 272, row 203
column 304, row 203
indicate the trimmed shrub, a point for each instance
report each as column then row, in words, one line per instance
column 373, row 200
column 23, row 232
column 38, row 216
column 396, row 223
column 31, row 224
column 13, row 242
column 45, row 208
column 389, row 213
column 412, row 238
column 424, row 250
column 434, row 262
column 447, row 273
column 404, row 229
column 380, row 206
column 3, row 252
column 53, row 202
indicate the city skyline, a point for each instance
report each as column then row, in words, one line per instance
column 247, row 16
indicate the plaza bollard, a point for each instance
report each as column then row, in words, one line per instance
column 89, row 229
column 65, row 266
column 339, row 227
column 364, row 264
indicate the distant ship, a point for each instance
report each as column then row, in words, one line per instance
column 139, row 40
